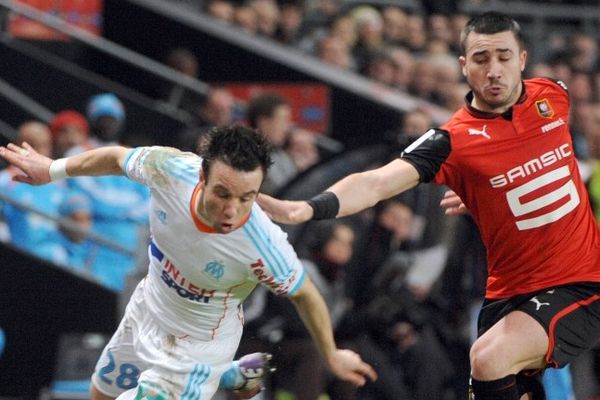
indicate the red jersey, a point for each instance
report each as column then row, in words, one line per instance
column 517, row 174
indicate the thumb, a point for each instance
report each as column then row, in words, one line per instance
column 22, row 179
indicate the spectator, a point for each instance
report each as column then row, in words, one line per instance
column 454, row 99
column 215, row 110
column 184, row 61
column 119, row 205
column 436, row 47
column 440, row 29
column 447, row 74
column 106, row 116
column 424, row 79
column 405, row 64
column 267, row 17
column 583, row 51
column 69, row 129
column 79, row 251
column 290, row 20
column 344, row 27
column 540, row 69
column 400, row 332
column 394, row 25
column 457, row 23
column 271, row 115
column 416, row 33
column 333, row 50
column 244, row 16
column 414, row 123
column 318, row 16
column 369, row 25
column 580, row 88
column 302, row 148
column 382, row 68
column 29, row 230
column 221, row 10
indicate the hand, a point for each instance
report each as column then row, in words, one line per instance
column 348, row 366
column 452, row 204
column 35, row 166
column 285, row 211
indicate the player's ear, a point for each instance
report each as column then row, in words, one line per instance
column 201, row 174
column 523, row 59
column 462, row 61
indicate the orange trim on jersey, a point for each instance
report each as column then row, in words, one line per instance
column 201, row 226
column 214, row 331
column 557, row 317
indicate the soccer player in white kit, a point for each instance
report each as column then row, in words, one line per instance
column 211, row 245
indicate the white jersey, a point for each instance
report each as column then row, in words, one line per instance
column 198, row 278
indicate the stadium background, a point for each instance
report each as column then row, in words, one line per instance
column 42, row 305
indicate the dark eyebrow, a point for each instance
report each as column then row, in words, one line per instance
column 221, row 187
column 486, row 51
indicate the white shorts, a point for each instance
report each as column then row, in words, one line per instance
column 141, row 351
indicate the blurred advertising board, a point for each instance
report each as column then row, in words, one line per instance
column 84, row 14
column 309, row 102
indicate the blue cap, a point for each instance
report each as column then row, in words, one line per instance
column 74, row 202
column 106, row 104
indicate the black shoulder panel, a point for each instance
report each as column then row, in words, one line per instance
column 428, row 153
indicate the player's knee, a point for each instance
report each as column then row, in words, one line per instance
column 486, row 362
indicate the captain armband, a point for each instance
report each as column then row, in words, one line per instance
column 325, row 205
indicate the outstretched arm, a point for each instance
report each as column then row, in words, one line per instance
column 38, row 169
column 345, row 364
column 355, row 193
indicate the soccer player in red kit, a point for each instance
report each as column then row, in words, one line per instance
column 508, row 155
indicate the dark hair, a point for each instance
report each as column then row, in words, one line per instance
column 263, row 105
column 241, row 148
column 489, row 23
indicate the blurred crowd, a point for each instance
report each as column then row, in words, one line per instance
column 402, row 281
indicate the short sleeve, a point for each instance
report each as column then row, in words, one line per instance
column 162, row 167
column 278, row 267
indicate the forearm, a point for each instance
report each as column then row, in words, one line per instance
column 98, row 162
column 313, row 311
column 362, row 190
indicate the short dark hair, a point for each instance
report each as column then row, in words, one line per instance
column 263, row 105
column 241, row 148
column 489, row 23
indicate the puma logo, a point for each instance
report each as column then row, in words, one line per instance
column 481, row 132
column 538, row 304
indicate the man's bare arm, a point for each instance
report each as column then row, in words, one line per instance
column 36, row 167
column 345, row 364
column 362, row 190
column 355, row 193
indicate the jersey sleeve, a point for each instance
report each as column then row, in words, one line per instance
column 162, row 167
column 278, row 268
column 428, row 153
